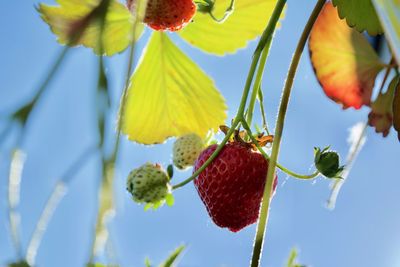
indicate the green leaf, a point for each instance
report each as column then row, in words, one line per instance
column 359, row 14
column 246, row 23
column 345, row 63
column 396, row 111
column 78, row 22
column 169, row 199
column 169, row 95
column 389, row 15
column 172, row 257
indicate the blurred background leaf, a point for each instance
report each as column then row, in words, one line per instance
column 67, row 19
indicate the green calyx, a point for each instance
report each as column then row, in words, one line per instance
column 327, row 163
column 205, row 6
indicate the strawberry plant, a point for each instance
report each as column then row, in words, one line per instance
column 166, row 96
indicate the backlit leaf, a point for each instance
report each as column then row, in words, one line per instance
column 381, row 115
column 78, row 22
column 389, row 15
column 396, row 111
column 246, row 23
column 359, row 14
column 169, row 95
column 344, row 62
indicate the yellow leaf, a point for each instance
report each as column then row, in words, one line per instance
column 169, row 95
column 246, row 23
column 345, row 63
column 68, row 18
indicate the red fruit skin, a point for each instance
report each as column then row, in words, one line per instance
column 232, row 186
column 170, row 15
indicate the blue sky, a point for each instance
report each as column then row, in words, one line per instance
column 361, row 231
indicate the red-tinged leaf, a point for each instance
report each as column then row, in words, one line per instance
column 381, row 115
column 344, row 62
column 396, row 111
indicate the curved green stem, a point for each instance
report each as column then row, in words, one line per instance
column 211, row 158
column 23, row 113
column 257, row 83
column 227, row 13
column 351, row 158
column 52, row 202
column 267, row 34
column 265, row 38
column 267, row 157
column 17, row 162
column 264, row 210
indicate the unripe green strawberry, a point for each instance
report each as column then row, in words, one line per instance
column 186, row 150
column 148, row 184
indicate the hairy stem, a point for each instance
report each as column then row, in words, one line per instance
column 266, row 156
column 229, row 10
column 211, row 158
column 267, row 35
column 257, row 83
column 141, row 10
column 264, row 210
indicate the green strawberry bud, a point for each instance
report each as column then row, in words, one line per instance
column 148, row 184
column 327, row 163
column 186, row 150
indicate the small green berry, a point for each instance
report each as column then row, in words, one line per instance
column 186, row 150
column 148, row 184
column 327, row 163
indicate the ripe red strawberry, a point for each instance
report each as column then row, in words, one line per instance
column 170, row 15
column 231, row 187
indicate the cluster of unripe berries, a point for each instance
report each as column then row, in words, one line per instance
column 150, row 183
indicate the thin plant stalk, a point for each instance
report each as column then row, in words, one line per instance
column 267, row 35
column 266, row 156
column 264, row 209
column 18, row 157
column 52, row 203
column 257, row 82
column 351, row 158
column 105, row 192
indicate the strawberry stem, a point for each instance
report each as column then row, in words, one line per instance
column 262, row 44
column 23, row 115
column 59, row 191
column 267, row 157
column 264, row 210
column 257, row 83
column 213, row 155
column 229, row 10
